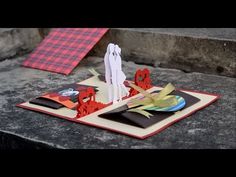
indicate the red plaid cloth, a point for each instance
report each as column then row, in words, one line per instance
column 63, row 49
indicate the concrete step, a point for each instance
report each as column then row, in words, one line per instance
column 205, row 50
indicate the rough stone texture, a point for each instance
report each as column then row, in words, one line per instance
column 206, row 50
column 207, row 33
column 212, row 127
column 190, row 50
column 18, row 41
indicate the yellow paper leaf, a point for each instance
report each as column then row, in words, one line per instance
column 145, row 113
column 142, row 91
column 161, row 99
column 165, row 91
column 167, row 101
column 93, row 72
column 137, row 102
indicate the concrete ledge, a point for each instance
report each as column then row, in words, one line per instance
column 10, row 141
column 189, row 51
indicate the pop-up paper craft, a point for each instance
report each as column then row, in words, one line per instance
column 114, row 75
column 162, row 101
column 89, row 106
column 65, row 96
column 93, row 106
column 142, row 80
column 63, row 49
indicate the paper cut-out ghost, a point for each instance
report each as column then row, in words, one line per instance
column 114, row 75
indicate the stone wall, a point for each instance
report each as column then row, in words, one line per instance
column 204, row 54
column 189, row 53
column 19, row 41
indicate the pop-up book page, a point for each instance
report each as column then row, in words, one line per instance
column 134, row 108
column 114, row 117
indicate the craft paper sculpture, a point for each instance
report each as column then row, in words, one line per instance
column 114, row 76
column 63, row 49
column 114, row 117
column 87, row 102
column 161, row 101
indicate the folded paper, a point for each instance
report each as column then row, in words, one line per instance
column 123, row 115
column 92, row 101
column 63, row 49
column 64, row 96
column 114, row 75
column 142, row 80
column 90, row 105
column 116, row 118
column 161, row 101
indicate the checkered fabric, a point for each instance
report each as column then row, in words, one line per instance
column 63, row 49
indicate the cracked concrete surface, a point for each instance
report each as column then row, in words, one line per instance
column 212, row 127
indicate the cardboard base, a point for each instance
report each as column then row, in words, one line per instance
column 137, row 132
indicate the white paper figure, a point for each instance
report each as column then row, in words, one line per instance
column 108, row 71
column 114, row 75
column 120, row 74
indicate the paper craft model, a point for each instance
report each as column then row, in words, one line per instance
column 114, row 75
column 135, row 108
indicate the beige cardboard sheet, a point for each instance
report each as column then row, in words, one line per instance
column 137, row 132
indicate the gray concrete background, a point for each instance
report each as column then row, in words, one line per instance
column 189, row 50
column 211, row 33
column 19, row 41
